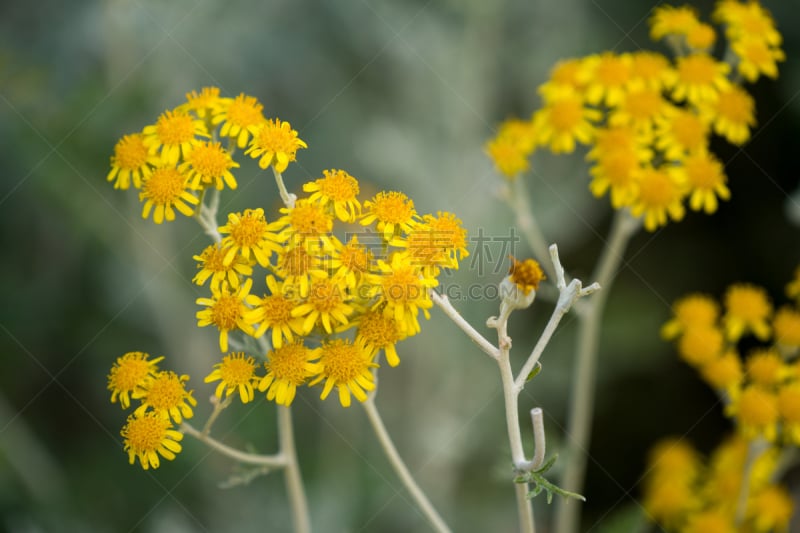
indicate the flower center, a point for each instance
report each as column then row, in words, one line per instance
column 273, row 137
column 355, row 258
column 310, row 219
column 343, row 362
column 697, row 69
column 325, row 295
column 757, row 407
column 245, row 111
column 236, row 369
column 145, row 433
column 703, row 172
column 688, row 130
column 402, row 286
column 175, row 128
column 166, row 391
column 378, row 330
column 566, row 114
column 130, row 152
column 226, row 312
column 210, row 160
column 165, row 185
column 296, row 261
column 339, row 186
column 392, row 207
column 250, row 229
column 289, row 363
column 656, row 189
column 130, row 373
column 277, row 309
column 735, row 105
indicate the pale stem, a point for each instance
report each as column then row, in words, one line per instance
column 219, row 406
column 444, row 304
column 537, row 421
column 519, row 202
column 294, row 481
column 287, row 197
column 579, row 421
column 400, row 467
column 277, row 460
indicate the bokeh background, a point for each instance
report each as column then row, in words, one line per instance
column 402, row 95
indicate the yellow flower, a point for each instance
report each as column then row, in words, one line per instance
column 274, row 311
column 747, row 309
column 699, row 345
column 209, row 164
column 149, row 436
column 756, row 410
column 166, row 396
column 756, row 58
column 130, row 162
column 287, row 368
column 275, row 143
column 436, row 241
column 724, row 373
column 681, row 132
column 608, row 140
column 608, row 74
column 565, row 120
column 709, row 521
column 350, row 261
column 325, row 304
column 701, row 37
column 166, row 188
column 733, row 114
column 236, row 372
column 639, row 108
column 298, row 265
column 568, row 75
column 770, row 509
column 691, row 311
column 706, row 179
column 174, row 134
column 508, row 157
column 789, row 407
column 377, row 331
column 700, row 78
column 660, row 194
column 211, row 263
column 225, row 310
column 240, row 118
column 204, row 104
column 392, row 211
column 765, row 367
column 651, row 69
column 305, row 221
column 786, row 327
column 247, row 233
column 128, row 373
column 617, row 171
column 673, row 457
column 669, row 20
column 346, row 366
column 747, row 20
column 526, row 275
column 404, row 290
column 339, row 190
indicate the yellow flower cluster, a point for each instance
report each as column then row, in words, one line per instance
column 163, row 399
column 685, row 494
column 174, row 161
column 647, row 120
column 762, row 391
column 330, row 304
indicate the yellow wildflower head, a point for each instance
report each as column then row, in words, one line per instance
column 130, row 372
column 298, row 264
column 770, row 509
column 789, row 407
column 682, row 131
column 700, row 77
column 226, row 310
column 732, row 114
column 756, row 410
column 526, row 274
column 765, row 367
column 274, row 311
column 509, row 157
column 608, row 74
column 747, row 309
column 564, row 121
column 700, row 345
column 652, row 69
column 701, row 37
column 617, row 171
column 174, row 135
column 131, row 161
column 147, row 436
column 724, row 373
column 339, row 190
column 211, row 263
column 376, row 331
column 306, row 220
column 236, row 372
column 403, row 290
column 668, row 20
column 659, row 197
column 248, row 233
column 346, row 366
column 209, row 165
column 690, row 311
column 786, row 328
column 756, row 57
column 240, row 118
column 203, row 104
column 326, row 305
column 166, row 395
column 710, row 521
column 392, row 212
column 706, row 179
column 567, row 75
column 287, row 368
column 164, row 190
column 275, row 143
column 350, row 261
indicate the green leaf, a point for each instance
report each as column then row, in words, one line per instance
column 534, row 372
column 540, row 483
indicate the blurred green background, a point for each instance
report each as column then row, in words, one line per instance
column 402, row 95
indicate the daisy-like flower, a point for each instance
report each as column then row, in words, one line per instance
column 166, row 396
column 149, row 436
column 174, row 135
column 682, row 131
column 130, row 162
column 705, row 177
column 700, row 345
column 247, row 233
column 209, row 164
column 747, row 309
column 610, row 139
column 377, row 331
column 700, row 78
column 325, row 304
column 765, row 367
column 652, row 70
column 733, row 114
column 351, row 261
column 701, row 37
column 235, row 373
column 306, row 221
column 608, row 74
column 789, row 408
column 298, row 265
column 565, row 120
column 275, row 143
column 166, row 189
column 225, row 310
column 339, row 190
column 639, row 108
column 346, row 366
column 756, row 410
column 756, row 57
column 669, row 20
column 274, row 311
column 128, row 373
column 786, row 328
column 747, row 20
column 660, row 195
column 203, row 104
column 392, row 212
column 240, row 118
column 288, row 367
column 693, row 310
column 211, row 263
column 404, row 290
column 770, row 509
column 618, row 171
column 568, row 75
column 709, row 521
column 526, row 274
column 724, row 373
column 509, row 158
column 436, row 241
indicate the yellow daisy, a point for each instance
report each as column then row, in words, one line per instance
column 339, row 190
column 700, row 78
column 747, row 309
column 226, row 310
column 659, row 197
column 235, row 373
column 732, row 115
column 211, row 263
column 149, row 436
column 375, row 332
column 131, row 161
column 705, row 177
column 128, row 373
column 402, row 289
column 166, row 189
column 209, row 164
column 756, row 57
column 203, row 104
column 166, row 395
column 174, row 135
column 275, row 143
column 248, row 233
column 346, row 366
column 392, row 212
column 274, row 311
column 240, row 118
column 326, row 304
column 288, row 367
column 608, row 74
column 691, row 311
column 565, row 120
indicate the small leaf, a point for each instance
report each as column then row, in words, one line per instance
column 534, row 372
